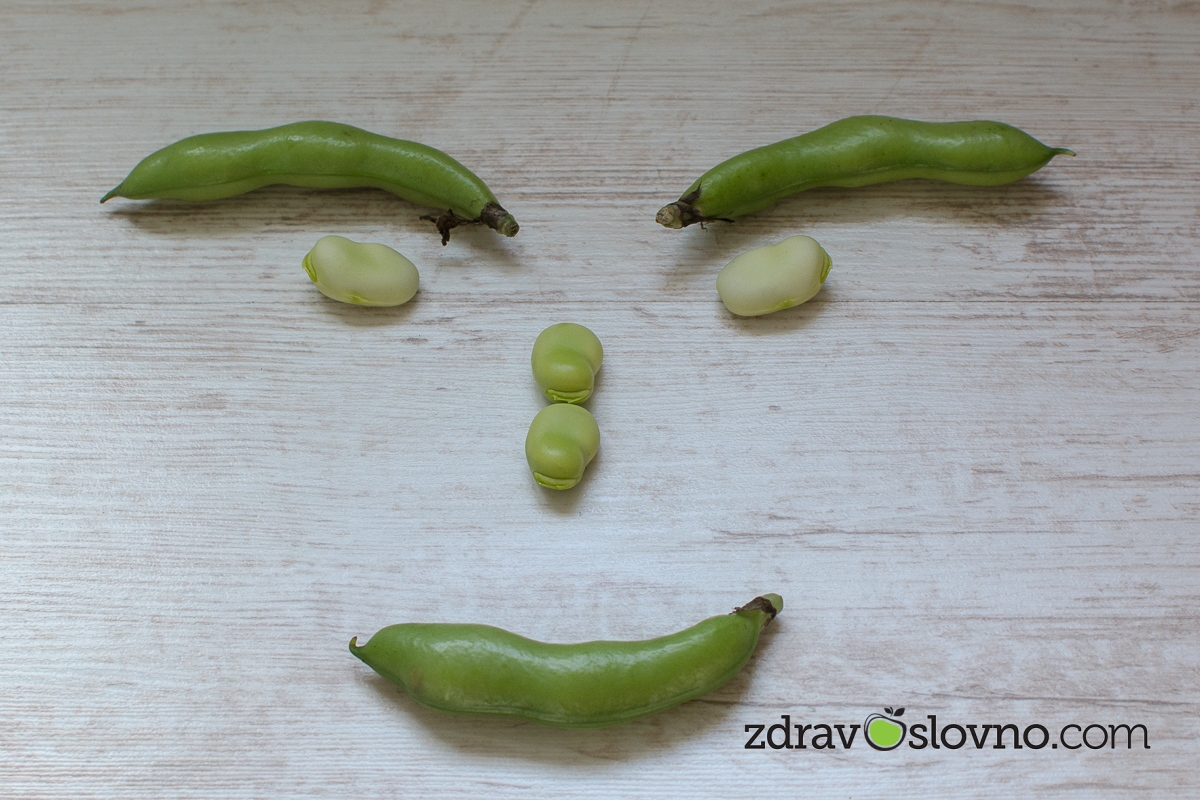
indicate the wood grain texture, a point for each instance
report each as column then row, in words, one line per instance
column 970, row 465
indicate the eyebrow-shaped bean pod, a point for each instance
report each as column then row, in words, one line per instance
column 565, row 360
column 323, row 155
column 860, row 151
column 478, row 669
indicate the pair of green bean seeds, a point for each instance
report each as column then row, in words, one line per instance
column 481, row 670
column 564, row 437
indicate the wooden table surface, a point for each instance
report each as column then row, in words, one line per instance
column 969, row 465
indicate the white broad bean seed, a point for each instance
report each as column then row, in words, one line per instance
column 775, row 277
column 363, row 274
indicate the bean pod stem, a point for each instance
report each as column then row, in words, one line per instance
column 316, row 154
column 860, row 151
column 478, row 669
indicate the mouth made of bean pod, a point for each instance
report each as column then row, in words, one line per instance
column 565, row 360
column 487, row 671
column 562, row 440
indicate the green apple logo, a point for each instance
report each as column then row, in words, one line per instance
column 884, row 733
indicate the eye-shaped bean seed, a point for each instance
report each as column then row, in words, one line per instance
column 478, row 669
column 562, row 441
column 566, row 358
column 363, row 274
column 774, row 277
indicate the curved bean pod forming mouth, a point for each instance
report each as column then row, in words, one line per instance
column 860, row 151
column 478, row 669
column 317, row 154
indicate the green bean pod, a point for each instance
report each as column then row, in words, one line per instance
column 481, row 670
column 323, row 155
column 860, row 151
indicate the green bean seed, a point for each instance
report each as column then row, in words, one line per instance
column 775, row 277
column 859, row 151
column 563, row 439
column 324, row 155
column 363, row 274
column 478, row 669
column 566, row 358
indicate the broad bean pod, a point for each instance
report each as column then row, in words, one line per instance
column 323, row 155
column 562, row 440
column 565, row 360
column 478, row 669
column 860, row 151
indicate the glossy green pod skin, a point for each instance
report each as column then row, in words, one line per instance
column 323, row 155
column 860, row 151
column 565, row 360
column 478, row 669
column 562, row 440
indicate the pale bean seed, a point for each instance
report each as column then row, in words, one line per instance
column 775, row 277
column 363, row 274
